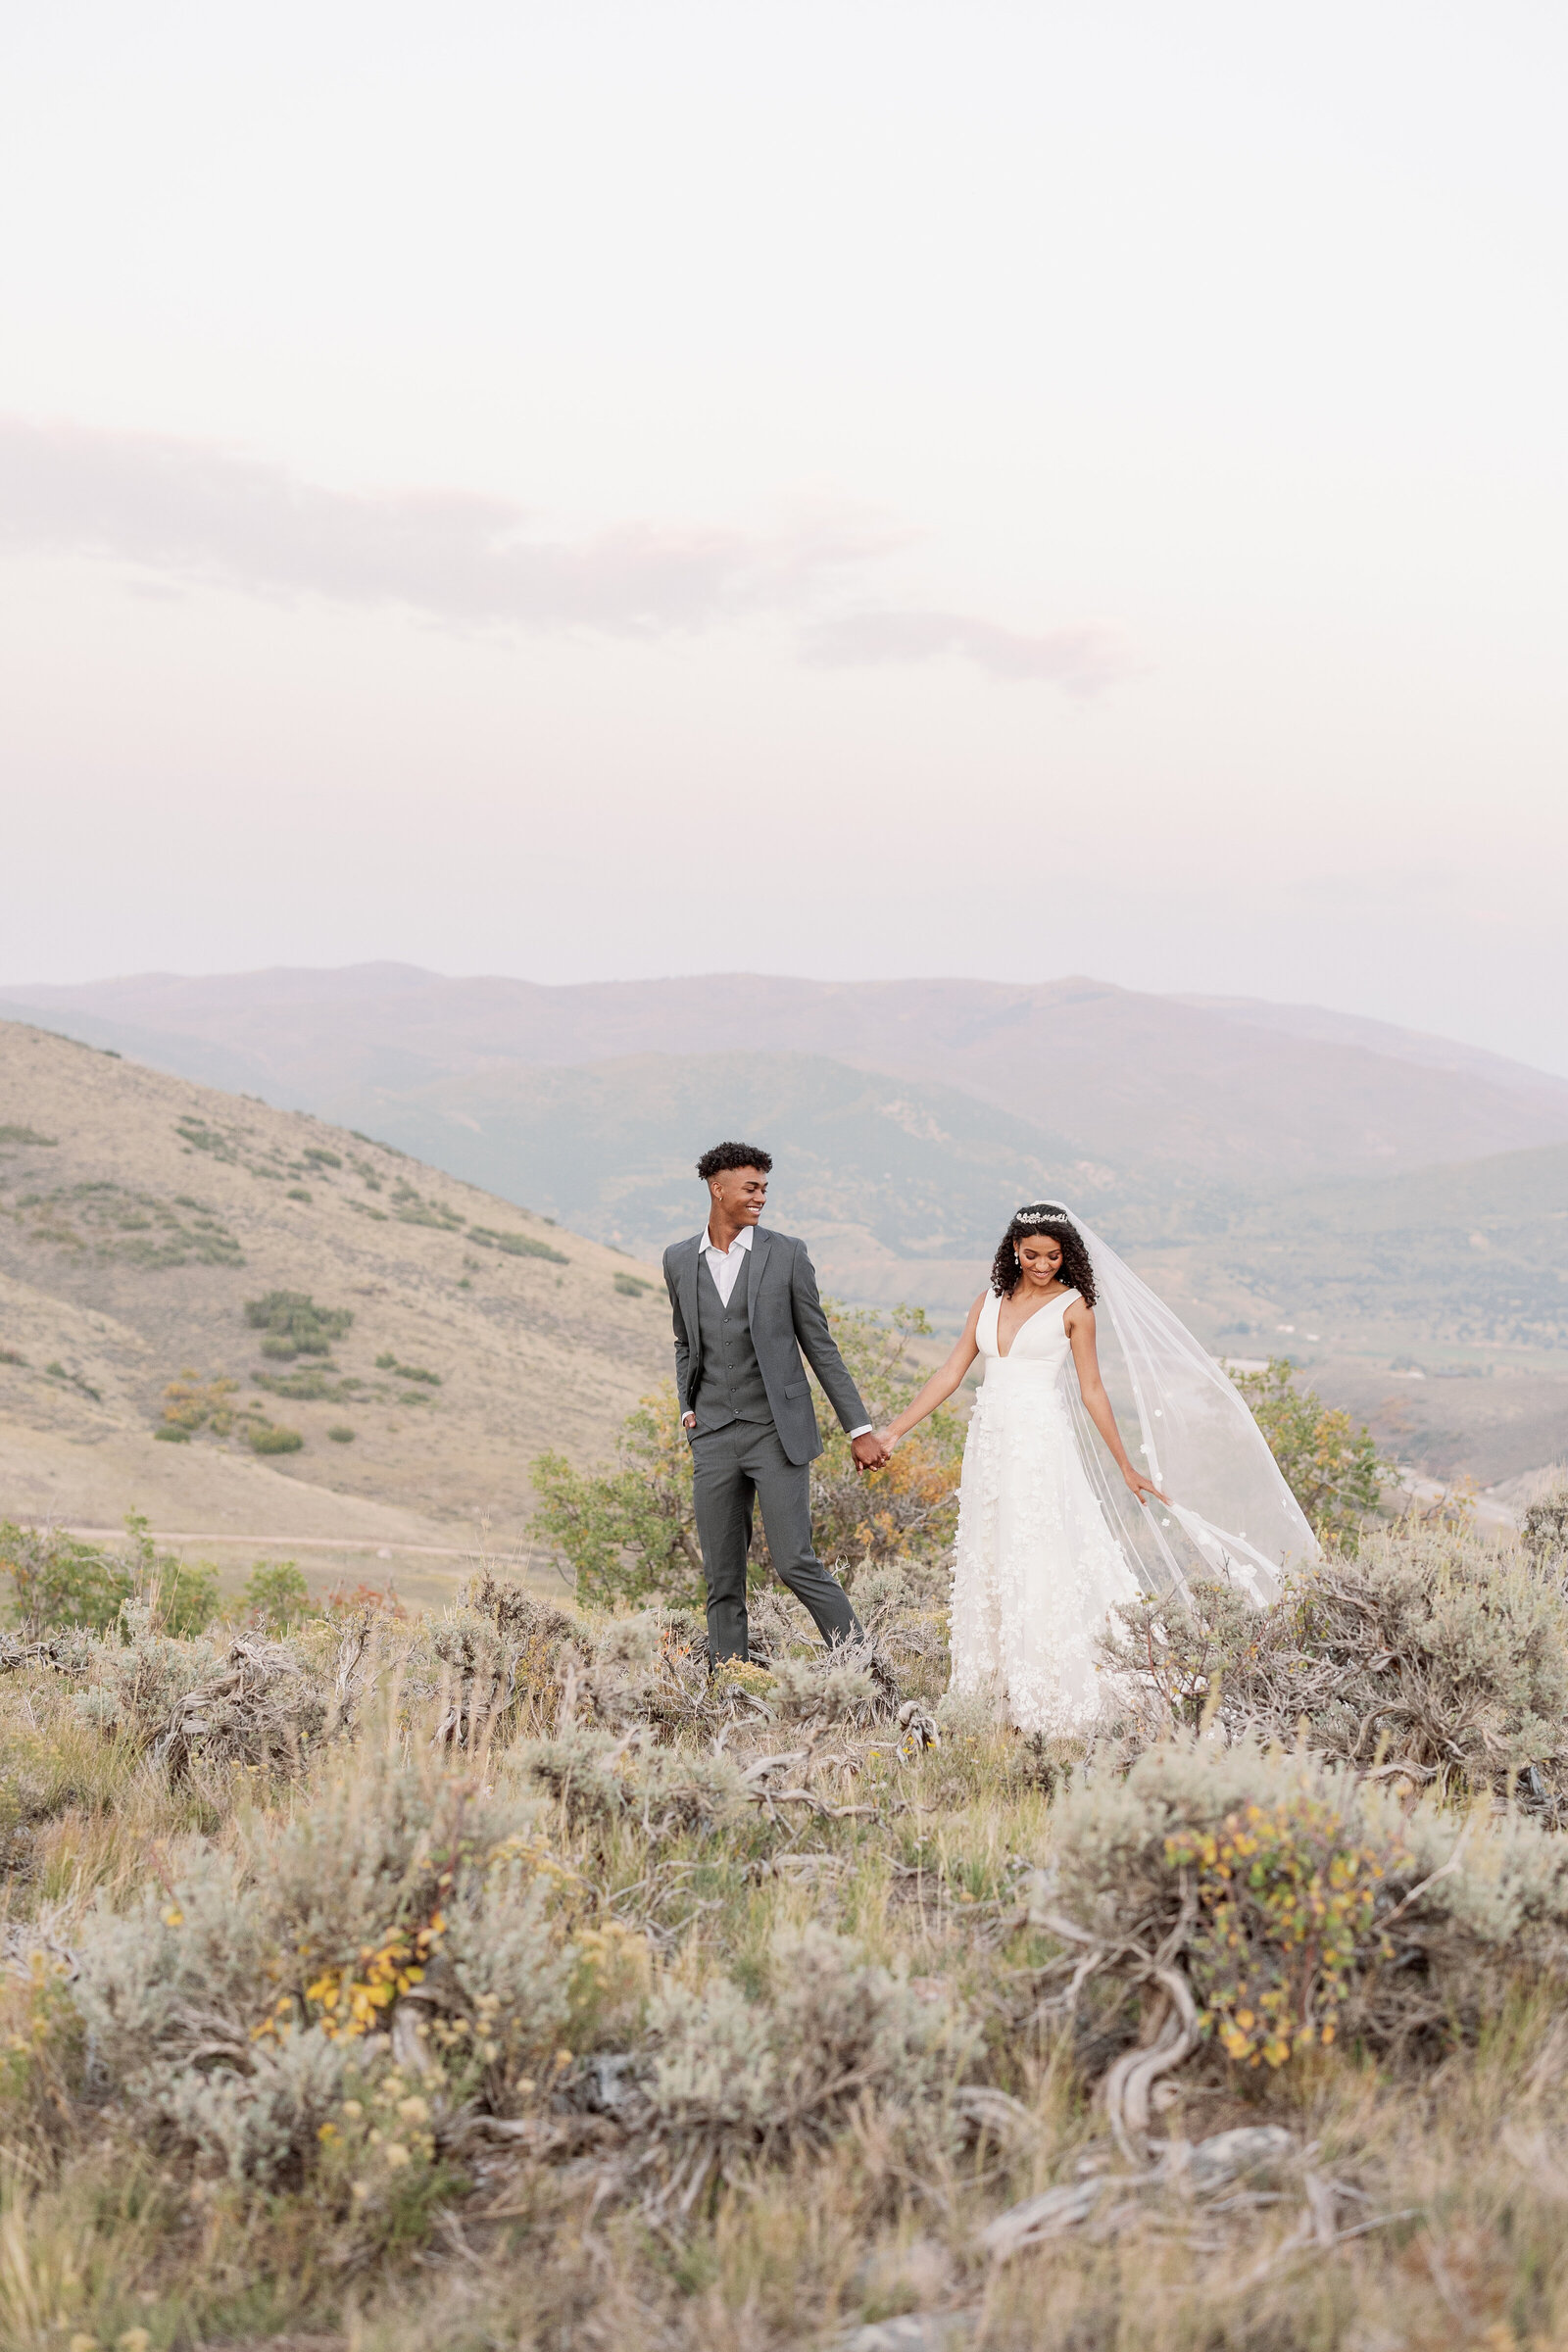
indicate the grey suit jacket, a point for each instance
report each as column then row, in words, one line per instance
column 785, row 1316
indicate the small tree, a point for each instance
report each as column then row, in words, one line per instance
column 274, row 1597
column 1330, row 1465
column 628, row 1533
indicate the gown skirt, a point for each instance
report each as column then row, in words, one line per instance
column 1036, row 1567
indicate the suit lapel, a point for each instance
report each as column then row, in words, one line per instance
column 754, row 1278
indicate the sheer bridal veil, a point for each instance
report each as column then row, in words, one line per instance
column 1231, row 1514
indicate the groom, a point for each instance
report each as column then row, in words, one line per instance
column 745, row 1304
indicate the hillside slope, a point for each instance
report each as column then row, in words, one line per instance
column 140, row 1212
column 1123, row 1077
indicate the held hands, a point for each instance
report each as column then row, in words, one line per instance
column 871, row 1452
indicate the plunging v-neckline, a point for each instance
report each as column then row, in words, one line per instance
column 1003, row 1353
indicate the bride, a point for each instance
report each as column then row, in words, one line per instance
column 1053, row 1528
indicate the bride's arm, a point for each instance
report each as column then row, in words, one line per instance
column 1080, row 1323
column 941, row 1385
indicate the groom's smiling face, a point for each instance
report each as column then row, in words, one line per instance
column 740, row 1195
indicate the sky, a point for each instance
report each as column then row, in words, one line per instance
column 593, row 491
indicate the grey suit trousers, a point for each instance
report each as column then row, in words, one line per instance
column 733, row 1469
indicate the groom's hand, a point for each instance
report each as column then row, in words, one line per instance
column 870, row 1451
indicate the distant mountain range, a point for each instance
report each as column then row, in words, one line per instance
column 1293, row 1178
column 1240, row 1096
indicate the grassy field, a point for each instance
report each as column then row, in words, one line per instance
column 497, row 1978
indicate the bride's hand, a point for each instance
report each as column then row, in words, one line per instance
column 1142, row 1485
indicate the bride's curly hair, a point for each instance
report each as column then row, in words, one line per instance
column 1043, row 1216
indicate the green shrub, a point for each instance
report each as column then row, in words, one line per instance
column 302, row 1387
column 56, row 1580
column 199, row 1137
column 388, row 1363
column 631, row 1532
column 412, row 1208
column 276, row 1596
column 630, row 1285
column 297, row 1191
column 295, row 1325
column 185, row 1595
column 267, row 1437
column 323, row 1158
column 340, row 1434
column 515, row 1245
column 1330, row 1466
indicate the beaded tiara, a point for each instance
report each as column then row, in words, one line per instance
column 1049, row 1216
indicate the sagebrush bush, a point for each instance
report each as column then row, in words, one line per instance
column 748, row 2014
column 782, row 2067
column 1304, row 1901
column 229, row 2007
column 1430, row 1648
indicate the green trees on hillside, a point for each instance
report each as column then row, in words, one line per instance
column 1330, row 1465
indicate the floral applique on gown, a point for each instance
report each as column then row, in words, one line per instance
column 1036, row 1568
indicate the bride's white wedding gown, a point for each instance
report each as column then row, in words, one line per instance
column 1036, row 1567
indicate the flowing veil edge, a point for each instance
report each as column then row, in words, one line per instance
column 1231, row 1514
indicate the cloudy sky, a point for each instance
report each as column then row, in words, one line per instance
column 874, row 487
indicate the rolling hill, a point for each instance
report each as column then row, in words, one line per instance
column 1121, row 1078
column 139, row 1213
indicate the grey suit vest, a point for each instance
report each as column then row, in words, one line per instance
column 731, row 1387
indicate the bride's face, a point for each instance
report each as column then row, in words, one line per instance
column 1040, row 1260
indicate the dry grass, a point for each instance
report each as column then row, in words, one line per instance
column 745, row 2016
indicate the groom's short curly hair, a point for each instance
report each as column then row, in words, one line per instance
column 733, row 1155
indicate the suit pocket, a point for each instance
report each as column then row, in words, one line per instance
column 798, row 1388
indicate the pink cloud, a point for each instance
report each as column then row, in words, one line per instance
column 189, row 512
column 1081, row 659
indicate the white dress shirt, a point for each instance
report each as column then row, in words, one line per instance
column 725, row 1268
column 725, row 1265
